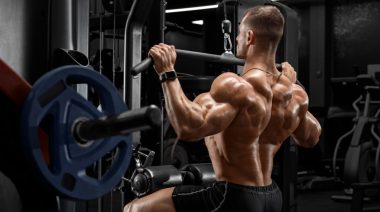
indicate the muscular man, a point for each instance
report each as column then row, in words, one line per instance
column 243, row 119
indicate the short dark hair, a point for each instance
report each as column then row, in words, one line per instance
column 267, row 21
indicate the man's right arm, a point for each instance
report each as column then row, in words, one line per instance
column 309, row 129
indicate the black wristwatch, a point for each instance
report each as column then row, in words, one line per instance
column 169, row 75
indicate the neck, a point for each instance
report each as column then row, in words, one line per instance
column 260, row 60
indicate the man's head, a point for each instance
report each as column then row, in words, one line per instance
column 261, row 25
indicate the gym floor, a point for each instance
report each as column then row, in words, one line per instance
column 316, row 201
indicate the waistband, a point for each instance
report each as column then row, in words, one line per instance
column 268, row 188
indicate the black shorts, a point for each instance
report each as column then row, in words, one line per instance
column 224, row 196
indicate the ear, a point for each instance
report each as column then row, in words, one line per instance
column 251, row 38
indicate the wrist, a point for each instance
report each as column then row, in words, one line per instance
column 168, row 76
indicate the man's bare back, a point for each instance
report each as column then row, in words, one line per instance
column 236, row 148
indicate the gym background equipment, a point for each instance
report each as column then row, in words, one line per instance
column 361, row 161
column 114, row 35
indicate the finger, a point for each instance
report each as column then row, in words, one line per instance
column 172, row 48
column 156, row 55
column 170, row 53
column 165, row 49
column 162, row 54
column 163, row 45
column 153, row 52
column 285, row 64
column 169, row 49
column 153, row 48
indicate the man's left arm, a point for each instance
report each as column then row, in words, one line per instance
column 196, row 119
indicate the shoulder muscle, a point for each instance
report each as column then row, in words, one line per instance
column 230, row 88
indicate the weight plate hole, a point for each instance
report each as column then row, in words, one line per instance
column 68, row 181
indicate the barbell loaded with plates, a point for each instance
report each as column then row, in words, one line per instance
column 79, row 132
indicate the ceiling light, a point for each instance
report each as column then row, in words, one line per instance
column 197, row 22
column 186, row 9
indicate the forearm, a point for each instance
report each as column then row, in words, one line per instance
column 184, row 115
column 308, row 132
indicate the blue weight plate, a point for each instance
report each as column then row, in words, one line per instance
column 49, row 113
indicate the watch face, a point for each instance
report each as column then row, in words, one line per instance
column 170, row 75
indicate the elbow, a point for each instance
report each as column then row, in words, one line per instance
column 190, row 130
column 311, row 140
column 315, row 135
column 183, row 133
column 187, row 134
column 183, row 129
column 188, row 138
column 306, row 143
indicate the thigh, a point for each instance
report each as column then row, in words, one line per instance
column 274, row 202
column 159, row 201
column 9, row 196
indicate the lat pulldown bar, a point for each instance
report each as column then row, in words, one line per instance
column 226, row 59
